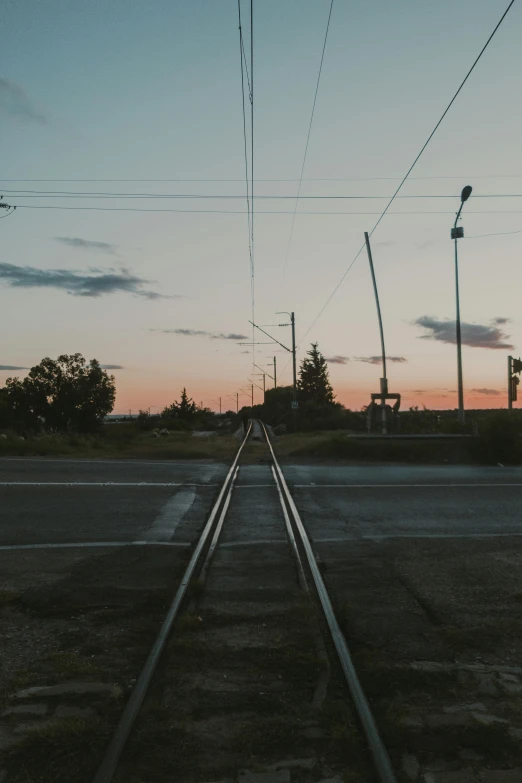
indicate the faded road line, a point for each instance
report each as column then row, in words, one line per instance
column 92, row 544
column 254, row 542
column 171, row 515
column 392, row 536
column 90, row 461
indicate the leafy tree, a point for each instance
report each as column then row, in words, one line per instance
column 314, row 381
column 184, row 410
column 5, row 410
column 63, row 393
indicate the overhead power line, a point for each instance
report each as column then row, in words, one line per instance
column 450, row 104
column 88, row 194
column 295, row 179
column 266, row 211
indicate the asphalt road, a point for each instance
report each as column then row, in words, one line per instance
column 80, row 501
column 83, row 501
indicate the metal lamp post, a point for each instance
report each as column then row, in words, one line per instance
column 456, row 234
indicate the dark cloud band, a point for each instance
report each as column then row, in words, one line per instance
column 93, row 283
column 202, row 333
column 378, row 359
column 474, row 335
column 337, row 359
column 87, row 244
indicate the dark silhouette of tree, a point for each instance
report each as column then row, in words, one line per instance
column 184, row 410
column 62, row 394
column 314, row 381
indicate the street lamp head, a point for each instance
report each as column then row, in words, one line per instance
column 466, row 193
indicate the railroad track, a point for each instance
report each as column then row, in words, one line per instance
column 251, row 611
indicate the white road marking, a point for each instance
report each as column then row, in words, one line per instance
column 400, row 486
column 391, row 536
column 101, row 484
column 92, row 544
column 172, row 513
column 94, row 461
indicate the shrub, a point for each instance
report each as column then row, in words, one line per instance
column 499, row 439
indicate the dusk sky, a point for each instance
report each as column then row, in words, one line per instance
column 126, row 90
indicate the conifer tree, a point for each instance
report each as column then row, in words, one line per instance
column 314, row 381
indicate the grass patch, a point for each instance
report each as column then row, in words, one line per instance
column 114, row 440
column 62, row 750
column 73, row 664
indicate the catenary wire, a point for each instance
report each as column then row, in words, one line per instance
column 241, row 54
column 290, row 237
column 411, row 168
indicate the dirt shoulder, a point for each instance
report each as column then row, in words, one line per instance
column 435, row 628
column 75, row 632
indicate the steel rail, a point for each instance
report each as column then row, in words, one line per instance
column 108, row 766
column 378, row 750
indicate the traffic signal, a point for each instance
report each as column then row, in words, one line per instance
column 517, row 365
column 514, row 383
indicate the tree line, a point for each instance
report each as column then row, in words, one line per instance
column 72, row 394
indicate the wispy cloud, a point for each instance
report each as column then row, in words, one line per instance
column 15, row 102
column 337, row 359
column 87, row 244
column 487, row 392
column 91, row 283
column 378, row 359
column 475, row 335
column 11, row 367
column 112, row 367
column 202, row 333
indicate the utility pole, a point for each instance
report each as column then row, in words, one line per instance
column 275, row 374
column 264, row 374
column 294, row 365
column 291, row 350
column 456, row 234
column 220, row 406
